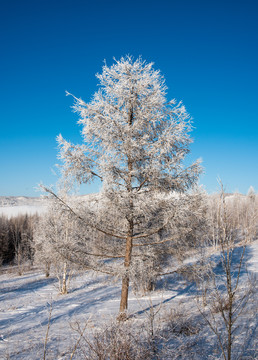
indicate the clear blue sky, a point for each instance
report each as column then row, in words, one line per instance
column 207, row 51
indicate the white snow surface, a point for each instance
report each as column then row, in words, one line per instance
column 25, row 303
column 11, row 206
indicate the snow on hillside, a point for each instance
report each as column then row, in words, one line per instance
column 25, row 303
column 21, row 205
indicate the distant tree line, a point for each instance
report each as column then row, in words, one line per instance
column 16, row 239
column 46, row 239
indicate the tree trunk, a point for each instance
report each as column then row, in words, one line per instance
column 64, row 287
column 19, row 260
column 129, row 238
column 47, row 269
column 125, row 280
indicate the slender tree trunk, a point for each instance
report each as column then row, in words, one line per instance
column 125, row 280
column 47, row 269
column 129, row 239
column 19, row 259
column 64, row 287
column 230, row 329
column 230, row 301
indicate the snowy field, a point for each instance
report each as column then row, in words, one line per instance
column 26, row 302
column 14, row 206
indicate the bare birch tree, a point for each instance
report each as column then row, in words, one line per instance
column 135, row 142
column 225, row 295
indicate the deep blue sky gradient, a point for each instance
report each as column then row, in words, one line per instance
column 207, row 51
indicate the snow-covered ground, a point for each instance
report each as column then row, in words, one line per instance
column 25, row 303
column 12, row 206
column 21, row 205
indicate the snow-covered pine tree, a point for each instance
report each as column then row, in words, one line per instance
column 135, row 142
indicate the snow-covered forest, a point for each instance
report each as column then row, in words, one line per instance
column 151, row 267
